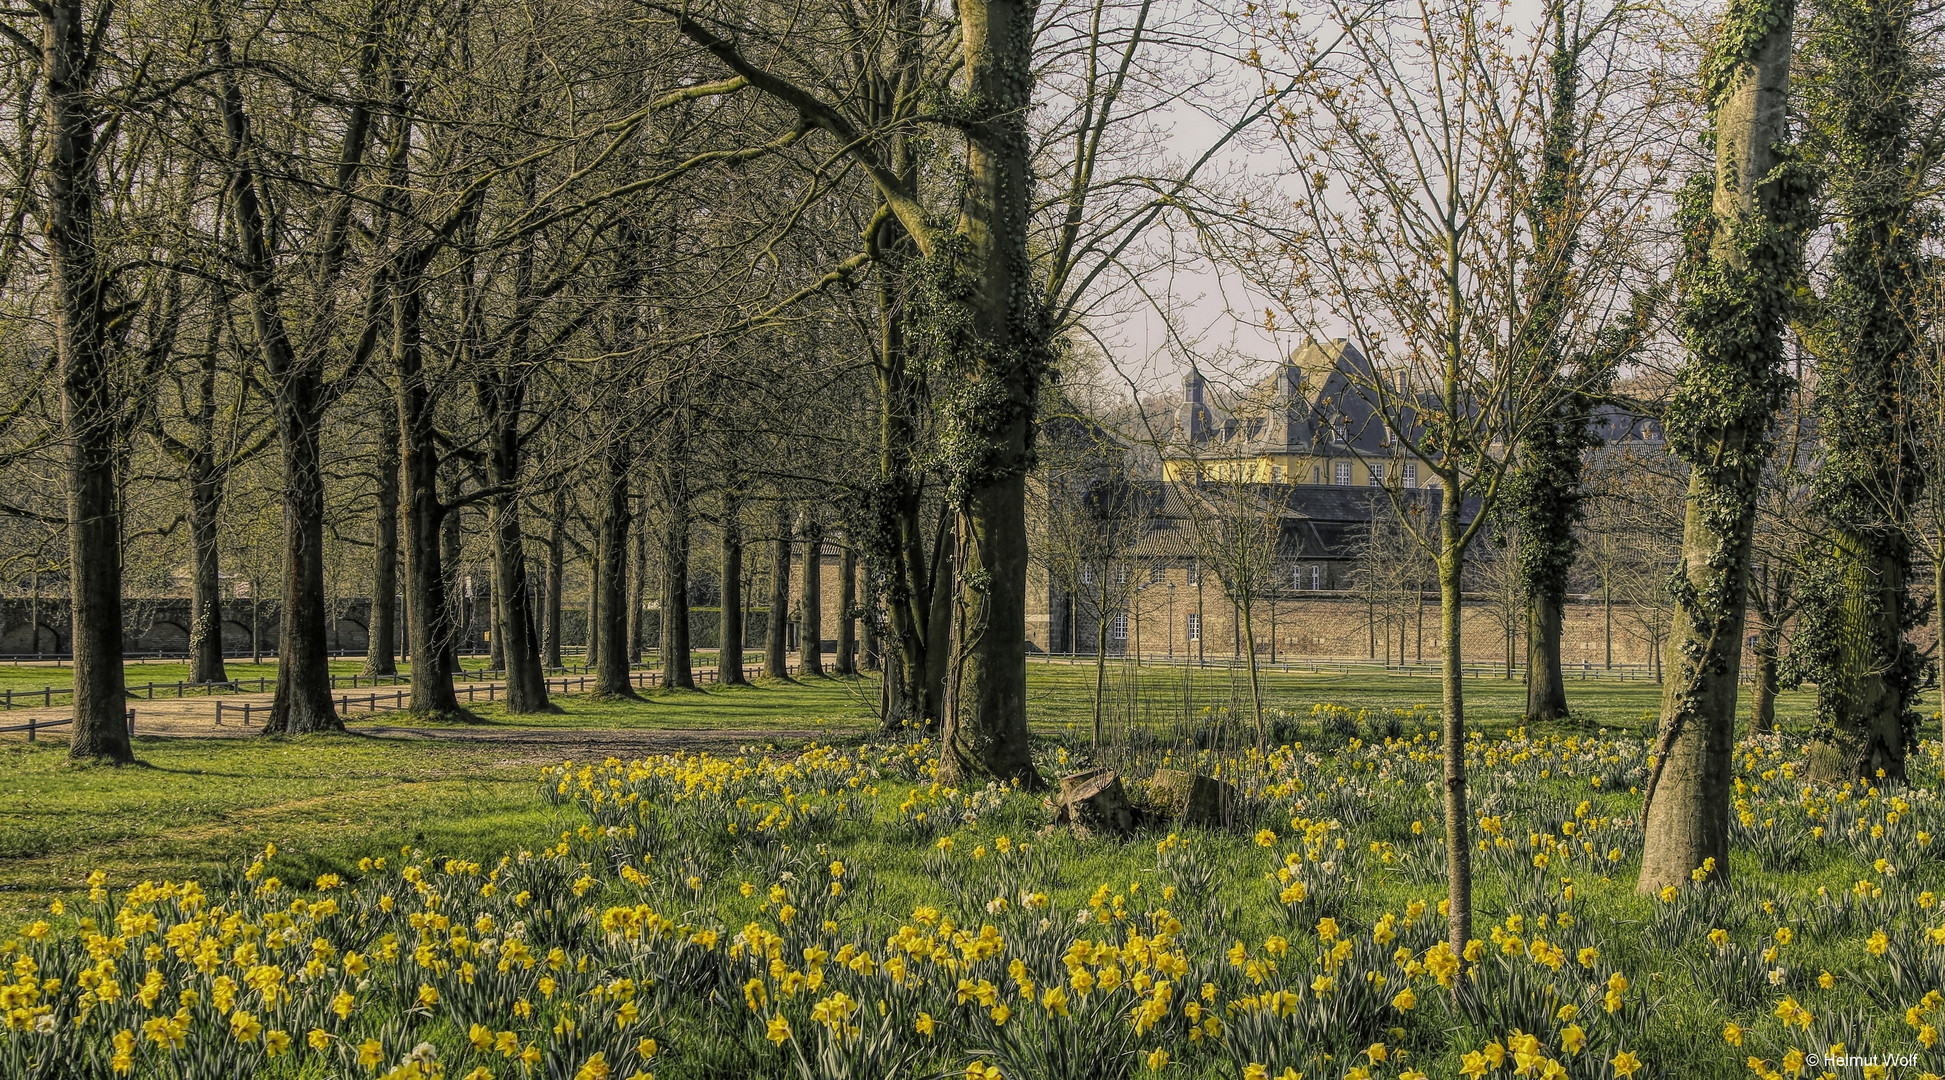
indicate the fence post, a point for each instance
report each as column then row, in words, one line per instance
column 131, row 723
column 30, row 729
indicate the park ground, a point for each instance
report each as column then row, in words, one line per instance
column 191, row 805
column 1803, row 925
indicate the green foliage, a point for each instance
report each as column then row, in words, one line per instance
column 1735, row 282
column 1737, row 38
column 1857, row 604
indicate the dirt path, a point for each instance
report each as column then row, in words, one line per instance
column 243, row 713
column 197, row 715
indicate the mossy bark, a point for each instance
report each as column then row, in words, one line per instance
column 1742, row 252
column 1861, row 111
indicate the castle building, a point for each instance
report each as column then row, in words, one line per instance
column 1315, row 422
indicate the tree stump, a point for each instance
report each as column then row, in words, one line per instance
column 1095, row 801
column 1191, row 799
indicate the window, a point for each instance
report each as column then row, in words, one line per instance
column 1087, row 574
column 1155, row 572
column 1276, row 473
column 1316, row 577
column 1299, row 576
column 1118, row 629
column 1195, row 574
column 1195, row 627
column 1374, row 476
column 1411, row 474
column 1316, row 474
column 1343, row 474
column 1121, row 574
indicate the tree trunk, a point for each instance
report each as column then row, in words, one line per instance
column 513, row 621
column 1546, row 686
column 1868, row 675
column 1607, row 626
column 847, row 603
column 426, row 581
column 596, row 561
column 810, row 652
column 873, row 644
column 676, row 670
column 729, row 648
column 1743, row 249
column 458, row 589
column 79, row 286
column 206, row 598
column 1100, row 669
column 1255, row 676
column 638, row 591
column 382, row 622
column 933, row 671
column 1762, row 706
column 776, row 643
column 556, row 578
column 985, row 732
column 611, row 671
column 985, row 729
column 1458, row 820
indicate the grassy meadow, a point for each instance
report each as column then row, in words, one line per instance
column 473, row 902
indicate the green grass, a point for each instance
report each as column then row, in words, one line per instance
column 1060, row 694
column 193, row 806
column 837, row 707
column 198, row 806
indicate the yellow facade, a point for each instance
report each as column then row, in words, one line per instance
column 1284, row 469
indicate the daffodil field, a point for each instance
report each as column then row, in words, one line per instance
column 837, row 913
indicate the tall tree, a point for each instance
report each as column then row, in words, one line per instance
column 1412, row 226
column 989, row 327
column 295, row 357
column 381, row 625
column 810, row 602
column 677, row 525
column 846, row 663
column 208, row 433
column 729, row 652
column 1545, row 499
column 776, row 641
column 1862, row 90
column 83, row 283
column 1742, row 235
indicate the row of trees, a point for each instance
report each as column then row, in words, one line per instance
column 564, row 281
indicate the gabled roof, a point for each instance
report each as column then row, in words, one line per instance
column 1321, row 393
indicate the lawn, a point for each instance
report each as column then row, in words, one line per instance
column 192, row 806
column 750, row 909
